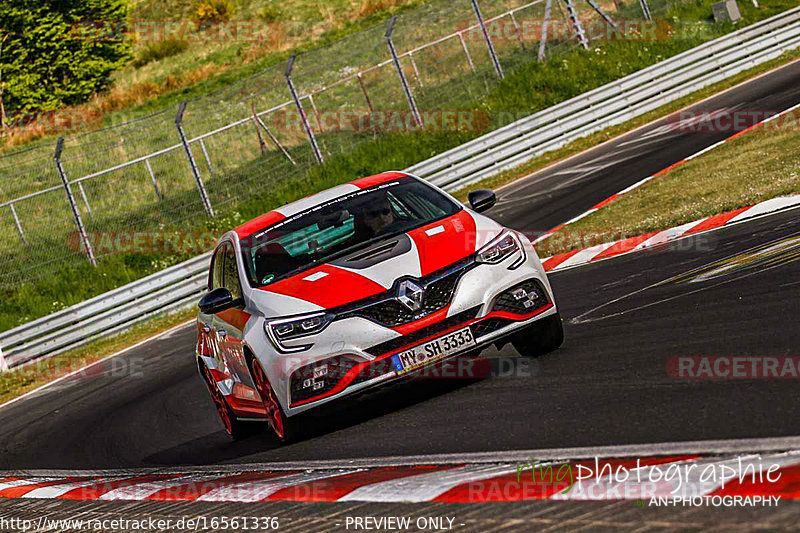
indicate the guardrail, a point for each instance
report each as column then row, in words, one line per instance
column 180, row 286
column 612, row 104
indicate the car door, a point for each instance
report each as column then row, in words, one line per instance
column 207, row 345
column 229, row 328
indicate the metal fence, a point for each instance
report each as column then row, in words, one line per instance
column 181, row 285
column 158, row 172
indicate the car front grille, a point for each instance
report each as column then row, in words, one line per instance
column 406, row 340
column 386, row 310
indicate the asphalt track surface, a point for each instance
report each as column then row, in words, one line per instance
column 607, row 385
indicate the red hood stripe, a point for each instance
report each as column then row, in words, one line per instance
column 259, row 223
column 377, row 179
column 455, row 242
column 337, row 287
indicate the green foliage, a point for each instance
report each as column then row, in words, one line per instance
column 213, row 11
column 56, row 54
column 159, row 50
column 270, row 13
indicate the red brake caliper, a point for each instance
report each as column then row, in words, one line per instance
column 219, row 401
column 270, row 401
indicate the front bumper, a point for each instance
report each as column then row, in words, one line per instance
column 337, row 376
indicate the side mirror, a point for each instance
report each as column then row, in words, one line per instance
column 482, row 199
column 215, row 301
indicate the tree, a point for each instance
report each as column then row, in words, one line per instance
column 59, row 52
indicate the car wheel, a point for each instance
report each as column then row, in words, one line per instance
column 235, row 428
column 541, row 337
column 284, row 427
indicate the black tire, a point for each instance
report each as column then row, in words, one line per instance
column 286, row 429
column 234, row 427
column 541, row 337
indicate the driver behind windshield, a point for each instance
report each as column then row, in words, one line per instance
column 375, row 216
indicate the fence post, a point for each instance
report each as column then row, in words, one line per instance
column 71, row 199
column 576, row 23
column 406, row 89
column 466, row 51
column 520, row 37
column 543, row 42
column 205, row 155
column 3, row 364
column 364, row 90
column 303, row 117
column 153, row 178
column 272, row 137
column 16, row 223
column 86, row 201
column 645, row 9
column 416, row 70
column 192, row 164
column 261, row 143
column 603, row 14
column 495, row 61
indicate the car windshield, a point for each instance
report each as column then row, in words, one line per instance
column 340, row 227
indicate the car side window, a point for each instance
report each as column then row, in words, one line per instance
column 216, row 269
column 230, row 273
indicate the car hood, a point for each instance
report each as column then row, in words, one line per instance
column 432, row 247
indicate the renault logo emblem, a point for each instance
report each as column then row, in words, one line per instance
column 410, row 294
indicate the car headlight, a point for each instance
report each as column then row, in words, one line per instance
column 501, row 248
column 285, row 329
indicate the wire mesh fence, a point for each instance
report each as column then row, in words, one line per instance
column 243, row 140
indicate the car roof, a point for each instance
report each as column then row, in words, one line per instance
column 268, row 219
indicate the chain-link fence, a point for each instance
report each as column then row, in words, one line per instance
column 165, row 172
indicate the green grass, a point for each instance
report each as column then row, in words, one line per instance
column 762, row 164
column 247, row 184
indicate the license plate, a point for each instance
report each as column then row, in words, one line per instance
column 433, row 350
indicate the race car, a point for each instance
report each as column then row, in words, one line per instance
column 358, row 286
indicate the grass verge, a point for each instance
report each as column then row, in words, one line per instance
column 762, row 164
column 591, row 141
column 19, row 381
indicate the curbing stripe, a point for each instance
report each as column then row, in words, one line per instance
column 425, row 487
column 472, row 483
column 100, row 488
column 661, row 172
column 716, row 221
column 339, row 487
column 599, row 252
column 257, row 491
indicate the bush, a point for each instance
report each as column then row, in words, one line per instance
column 159, row 50
column 50, row 59
column 213, row 11
column 270, row 13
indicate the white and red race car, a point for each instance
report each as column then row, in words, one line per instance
column 357, row 286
